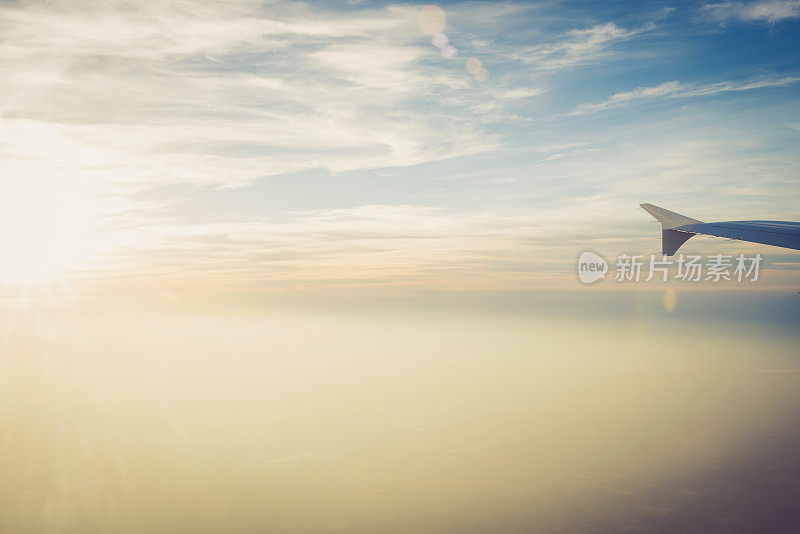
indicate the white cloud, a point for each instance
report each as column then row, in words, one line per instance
column 519, row 93
column 759, row 11
column 724, row 87
column 369, row 244
column 675, row 89
column 110, row 99
column 114, row 100
column 160, row 92
column 618, row 99
column 578, row 47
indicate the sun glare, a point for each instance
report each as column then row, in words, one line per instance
column 45, row 231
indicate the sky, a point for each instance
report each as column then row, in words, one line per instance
column 311, row 267
column 364, row 145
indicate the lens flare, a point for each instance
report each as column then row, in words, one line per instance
column 45, row 230
column 431, row 19
column 670, row 300
column 440, row 40
column 473, row 65
column 449, row 52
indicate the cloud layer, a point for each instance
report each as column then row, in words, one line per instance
column 770, row 11
column 360, row 153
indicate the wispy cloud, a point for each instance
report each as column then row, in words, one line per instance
column 618, row 99
column 759, row 11
column 577, row 47
column 358, row 153
column 387, row 244
column 180, row 90
column 675, row 89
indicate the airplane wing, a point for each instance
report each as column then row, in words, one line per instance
column 676, row 229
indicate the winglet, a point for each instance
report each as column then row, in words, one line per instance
column 668, row 219
column 671, row 240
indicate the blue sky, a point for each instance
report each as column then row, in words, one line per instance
column 318, row 143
